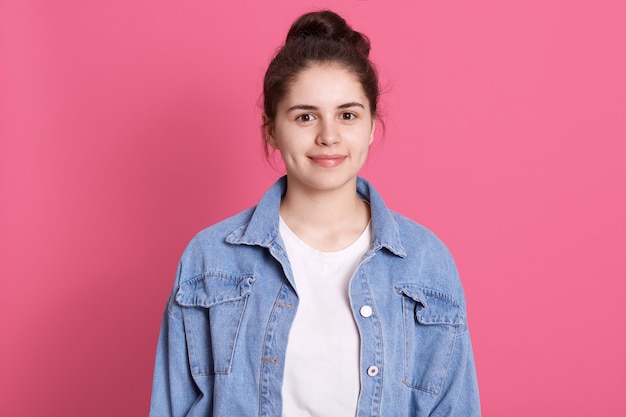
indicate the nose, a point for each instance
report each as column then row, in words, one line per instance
column 328, row 133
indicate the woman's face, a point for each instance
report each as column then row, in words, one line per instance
column 323, row 129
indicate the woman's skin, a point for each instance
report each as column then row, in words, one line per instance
column 323, row 130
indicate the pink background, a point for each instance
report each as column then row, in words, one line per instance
column 128, row 126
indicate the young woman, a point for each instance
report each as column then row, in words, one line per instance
column 319, row 301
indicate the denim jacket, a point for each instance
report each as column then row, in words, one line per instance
column 222, row 344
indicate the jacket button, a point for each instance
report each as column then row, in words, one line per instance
column 372, row 370
column 366, row 311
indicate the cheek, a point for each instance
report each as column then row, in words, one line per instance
column 278, row 137
column 293, row 138
column 286, row 145
column 367, row 137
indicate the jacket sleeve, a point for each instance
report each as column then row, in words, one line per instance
column 174, row 391
column 459, row 398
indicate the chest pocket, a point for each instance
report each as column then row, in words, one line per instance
column 431, row 323
column 214, row 304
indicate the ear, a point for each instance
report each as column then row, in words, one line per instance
column 373, row 130
column 268, row 130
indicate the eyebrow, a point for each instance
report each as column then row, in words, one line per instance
column 309, row 107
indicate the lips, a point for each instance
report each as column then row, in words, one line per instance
column 327, row 161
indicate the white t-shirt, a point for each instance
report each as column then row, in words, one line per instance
column 322, row 377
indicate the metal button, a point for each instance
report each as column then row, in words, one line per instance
column 372, row 370
column 366, row 311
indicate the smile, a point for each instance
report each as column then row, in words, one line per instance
column 327, row 161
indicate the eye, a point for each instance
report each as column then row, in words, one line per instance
column 306, row 117
column 347, row 116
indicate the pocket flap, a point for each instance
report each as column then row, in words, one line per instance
column 213, row 288
column 432, row 306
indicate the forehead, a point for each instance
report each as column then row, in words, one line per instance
column 324, row 85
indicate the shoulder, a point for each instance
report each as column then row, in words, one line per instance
column 428, row 258
column 418, row 238
column 208, row 249
column 218, row 231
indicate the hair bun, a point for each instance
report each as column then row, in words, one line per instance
column 328, row 25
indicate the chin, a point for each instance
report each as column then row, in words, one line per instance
column 332, row 184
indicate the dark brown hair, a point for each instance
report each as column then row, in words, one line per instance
column 319, row 37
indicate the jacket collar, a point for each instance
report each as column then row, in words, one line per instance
column 262, row 229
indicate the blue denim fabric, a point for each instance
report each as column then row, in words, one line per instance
column 222, row 345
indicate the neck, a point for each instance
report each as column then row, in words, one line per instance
column 326, row 220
